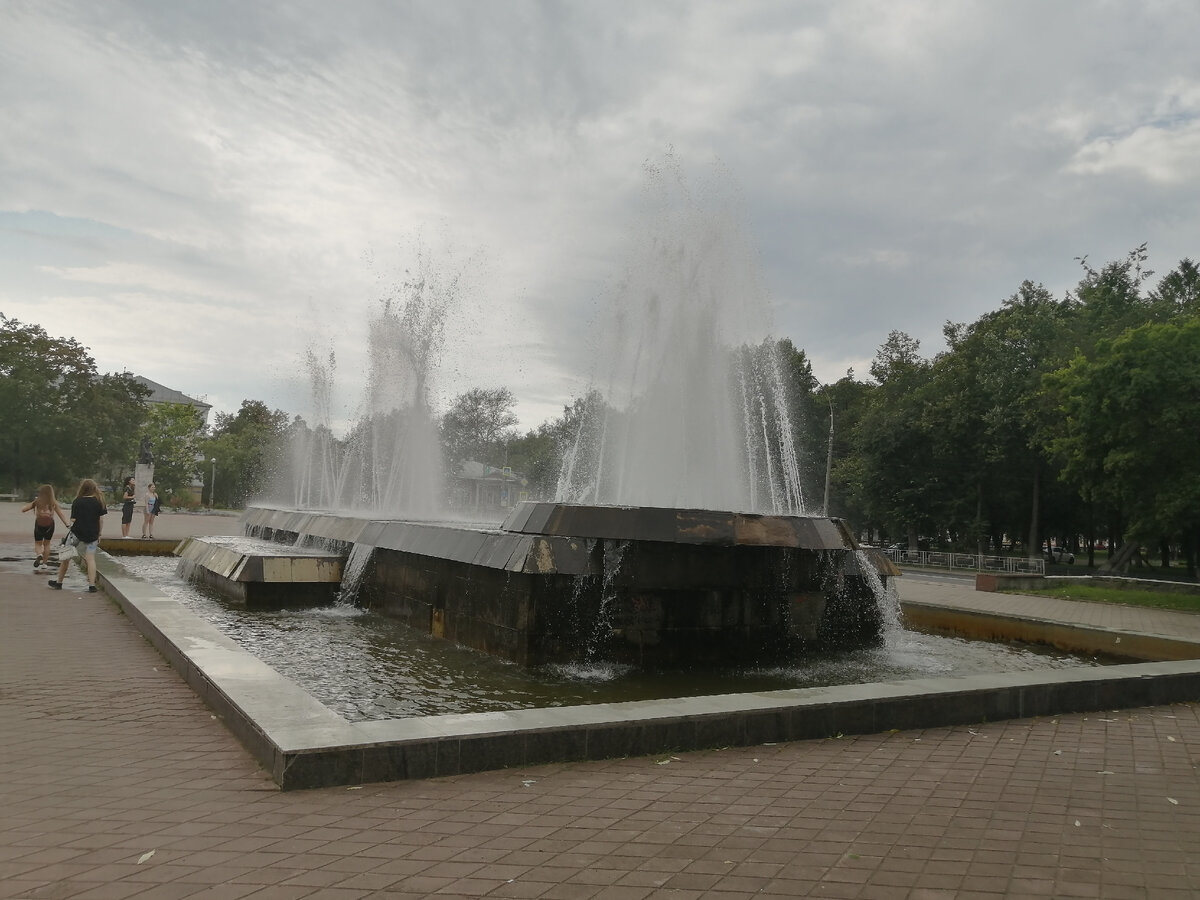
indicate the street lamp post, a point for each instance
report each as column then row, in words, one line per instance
column 828, row 455
column 212, row 486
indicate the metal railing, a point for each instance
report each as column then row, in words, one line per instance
column 966, row 562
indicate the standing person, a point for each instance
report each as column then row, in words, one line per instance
column 47, row 508
column 128, row 498
column 86, row 511
column 151, row 512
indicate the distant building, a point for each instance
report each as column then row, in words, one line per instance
column 162, row 394
column 482, row 488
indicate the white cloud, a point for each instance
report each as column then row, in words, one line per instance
column 1167, row 155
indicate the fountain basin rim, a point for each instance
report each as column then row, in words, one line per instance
column 588, row 522
column 303, row 744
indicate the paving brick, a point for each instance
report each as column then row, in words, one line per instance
column 105, row 755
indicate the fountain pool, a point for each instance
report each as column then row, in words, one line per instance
column 366, row 666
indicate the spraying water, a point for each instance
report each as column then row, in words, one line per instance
column 690, row 407
column 390, row 462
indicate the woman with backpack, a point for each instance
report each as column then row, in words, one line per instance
column 151, row 511
column 46, row 507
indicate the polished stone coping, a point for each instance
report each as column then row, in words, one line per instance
column 303, row 744
column 719, row 528
column 262, row 562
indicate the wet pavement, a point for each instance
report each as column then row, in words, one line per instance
column 116, row 781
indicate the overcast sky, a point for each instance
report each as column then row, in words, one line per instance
column 199, row 192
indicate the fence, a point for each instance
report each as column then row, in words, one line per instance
column 967, row 562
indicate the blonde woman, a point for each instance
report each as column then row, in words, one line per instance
column 87, row 521
column 150, row 513
column 46, row 508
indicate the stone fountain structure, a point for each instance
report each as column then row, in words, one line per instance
column 560, row 583
column 679, row 535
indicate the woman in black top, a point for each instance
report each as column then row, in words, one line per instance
column 128, row 498
column 86, row 511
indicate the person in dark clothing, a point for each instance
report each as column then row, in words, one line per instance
column 128, row 499
column 87, row 512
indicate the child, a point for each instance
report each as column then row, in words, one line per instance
column 43, row 524
column 87, row 512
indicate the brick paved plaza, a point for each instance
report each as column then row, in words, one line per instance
column 116, row 781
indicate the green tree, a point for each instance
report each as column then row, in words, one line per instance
column 1110, row 301
column 175, row 431
column 1106, row 304
column 59, row 419
column 847, row 400
column 987, row 413
column 113, row 424
column 248, row 447
column 1177, row 294
column 897, row 474
column 478, row 426
column 536, row 455
column 1132, row 417
column 539, row 453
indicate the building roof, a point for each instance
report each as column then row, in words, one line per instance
column 477, row 471
column 162, row 394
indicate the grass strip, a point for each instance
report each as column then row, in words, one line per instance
column 1128, row 596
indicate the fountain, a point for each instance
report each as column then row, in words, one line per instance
column 678, row 539
column 679, row 535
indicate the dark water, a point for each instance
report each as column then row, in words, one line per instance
column 366, row 666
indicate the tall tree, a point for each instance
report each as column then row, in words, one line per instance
column 539, row 454
column 898, row 475
column 248, row 447
column 989, row 408
column 848, row 401
column 59, row 419
column 1109, row 301
column 1177, row 294
column 478, row 426
column 1132, row 417
column 175, row 431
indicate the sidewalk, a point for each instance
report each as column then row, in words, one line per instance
column 116, row 781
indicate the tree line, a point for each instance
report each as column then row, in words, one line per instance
column 61, row 420
column 1073, row 418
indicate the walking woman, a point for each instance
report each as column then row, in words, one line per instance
column 87, row 512
column 47, row 508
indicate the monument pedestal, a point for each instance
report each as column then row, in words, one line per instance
column 143, row 476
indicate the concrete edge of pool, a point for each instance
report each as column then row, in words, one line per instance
column 303, row 744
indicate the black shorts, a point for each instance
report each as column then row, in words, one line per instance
column 43, row 532
column 126, row 513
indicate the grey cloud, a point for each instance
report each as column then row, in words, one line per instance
column 899, row 164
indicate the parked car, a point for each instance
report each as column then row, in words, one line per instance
column 1060, row 555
